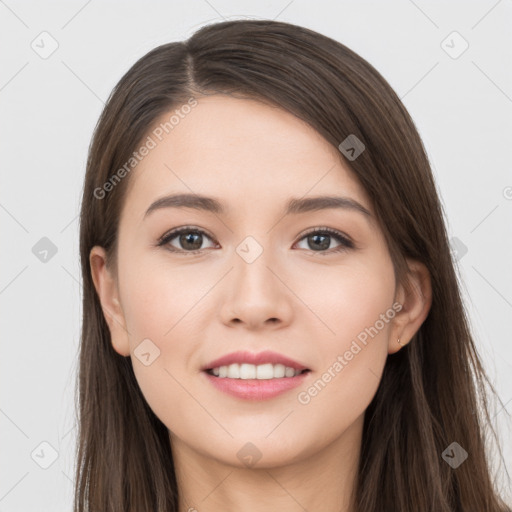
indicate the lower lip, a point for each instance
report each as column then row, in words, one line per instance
column 256, row 389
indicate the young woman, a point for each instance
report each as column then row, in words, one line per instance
column 271, row 316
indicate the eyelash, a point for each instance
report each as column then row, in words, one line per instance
column 345, row 243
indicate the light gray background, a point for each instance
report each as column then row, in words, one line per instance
column 48, row 107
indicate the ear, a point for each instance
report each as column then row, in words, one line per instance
column 106, row 287
column 416, row 299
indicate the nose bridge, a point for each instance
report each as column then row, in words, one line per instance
column 255, row 251
column 252, row 261
column 256, row 294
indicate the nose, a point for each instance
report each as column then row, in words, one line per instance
column 256, row 295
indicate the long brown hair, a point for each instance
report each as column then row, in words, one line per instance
column 432, row 392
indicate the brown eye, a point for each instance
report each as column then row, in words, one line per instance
column 189, row 239
column 320, row 239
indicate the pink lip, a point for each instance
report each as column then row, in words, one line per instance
column 266, row 356
column 256, row 389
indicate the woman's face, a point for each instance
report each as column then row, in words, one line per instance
column 260, row 282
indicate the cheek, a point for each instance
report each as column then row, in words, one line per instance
column 158, row 307
column 352, row 359
column 156, row 297
column 351, row 298
column 356, row 306
column 163, row 307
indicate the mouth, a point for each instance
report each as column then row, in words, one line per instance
column 250, row 384
column 247, row 365
column 252, row 372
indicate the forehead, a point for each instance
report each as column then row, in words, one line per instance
column 242, row 151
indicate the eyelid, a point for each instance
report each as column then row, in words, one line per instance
column 173, row 233
column 331, row 231
column 177, row 231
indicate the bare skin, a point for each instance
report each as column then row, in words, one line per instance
column 197, row 307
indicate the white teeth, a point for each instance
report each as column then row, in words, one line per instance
column 289, row 372
column 251, row 371
column 233, row 371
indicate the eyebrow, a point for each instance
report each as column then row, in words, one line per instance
column 293, row 206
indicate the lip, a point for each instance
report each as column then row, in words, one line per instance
column 256, row 389
column 267, row 356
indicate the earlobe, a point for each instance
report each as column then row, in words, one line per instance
column 107, row 290
column 416, row 300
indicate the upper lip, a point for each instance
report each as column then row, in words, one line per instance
column 266, row 356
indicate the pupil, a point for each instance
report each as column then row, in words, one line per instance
column 325, row 245
column 186, row 238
